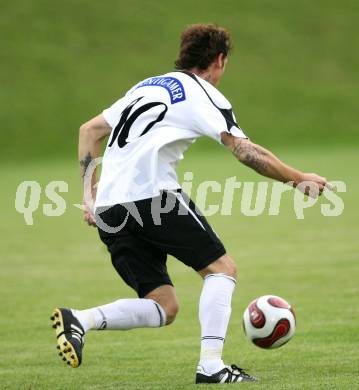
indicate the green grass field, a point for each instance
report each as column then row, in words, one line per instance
column 294, row 67
column 60, row 261
column 292, row 80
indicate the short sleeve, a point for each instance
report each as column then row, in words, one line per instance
column 112, row 114
column 211, row 121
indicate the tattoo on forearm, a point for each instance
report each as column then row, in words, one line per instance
column 251, row 156
column 85, row 162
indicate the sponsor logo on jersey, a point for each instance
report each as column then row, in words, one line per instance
column 173, row 86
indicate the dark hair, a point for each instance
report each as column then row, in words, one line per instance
column 201, row 44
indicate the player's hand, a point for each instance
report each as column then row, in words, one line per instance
column 89, row 218
column 88, row 210
column 312, row 184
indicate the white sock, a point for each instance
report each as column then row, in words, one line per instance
column 214, row 314
column 123, row 314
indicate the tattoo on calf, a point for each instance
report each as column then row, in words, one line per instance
column 85, row 162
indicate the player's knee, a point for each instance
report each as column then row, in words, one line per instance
column 224, row 265
column 232, row 268
column 171, row 312
column 165, row 296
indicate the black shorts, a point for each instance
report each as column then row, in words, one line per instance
column 140, row 235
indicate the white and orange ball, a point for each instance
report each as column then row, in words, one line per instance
column 269, row 321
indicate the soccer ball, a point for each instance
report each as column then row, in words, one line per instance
column 269, row 321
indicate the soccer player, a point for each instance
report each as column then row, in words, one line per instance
column 143, row 215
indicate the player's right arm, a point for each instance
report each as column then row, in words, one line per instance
column 267, row 164
column 90, row 137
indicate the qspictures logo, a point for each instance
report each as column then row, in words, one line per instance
column 211, row 197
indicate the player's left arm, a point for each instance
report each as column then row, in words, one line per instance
column 267, row 164
column 91, row 135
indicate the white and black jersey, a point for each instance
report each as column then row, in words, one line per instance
column 152, row 126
